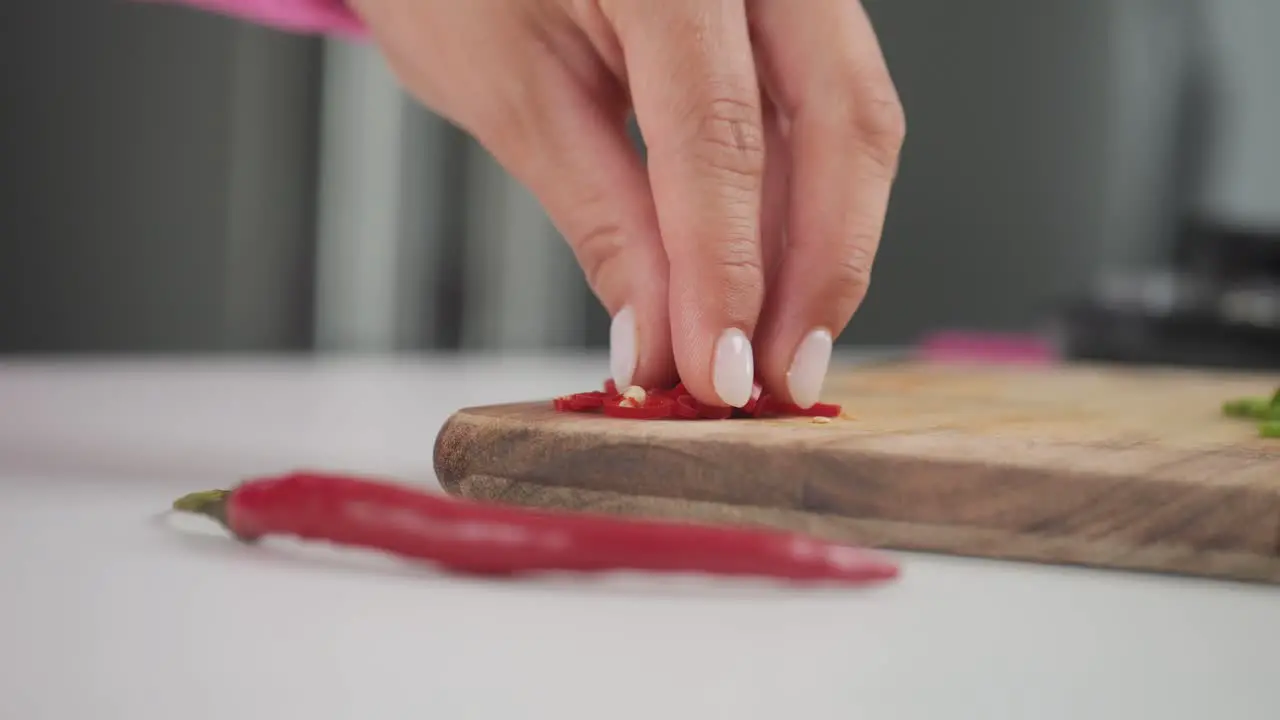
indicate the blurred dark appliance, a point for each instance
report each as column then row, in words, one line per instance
column 1217, row 301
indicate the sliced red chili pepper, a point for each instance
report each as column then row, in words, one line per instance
column 505, row 540
column 713, row 412
column 655, row 407
column 750, row 408
column 664, row 402
column 579, row 402
column 828, row 410
column 686, row 408
column 587, row 400
column 818, row 410
column 764, row 406
column 678, row 403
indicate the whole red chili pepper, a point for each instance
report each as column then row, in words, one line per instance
column 491, row 539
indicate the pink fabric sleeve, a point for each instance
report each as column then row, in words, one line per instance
column 305, row 16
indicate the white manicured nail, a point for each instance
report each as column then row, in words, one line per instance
column 809, row 368
column 733, row 368
column 623, row 347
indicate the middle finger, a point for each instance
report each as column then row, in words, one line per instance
column 697, row 99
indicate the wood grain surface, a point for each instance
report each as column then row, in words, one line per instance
column 1101, row 466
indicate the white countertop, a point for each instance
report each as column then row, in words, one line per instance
column 108, row 613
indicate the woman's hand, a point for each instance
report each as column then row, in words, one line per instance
column 773, row 131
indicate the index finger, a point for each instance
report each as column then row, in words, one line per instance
column 697, row 99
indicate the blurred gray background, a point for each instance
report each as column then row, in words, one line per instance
column 180, row 182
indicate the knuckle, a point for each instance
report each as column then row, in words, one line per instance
column 882, row 123
column 597, row 250
column 875, row 119
column 729, row 138
column 851, row 274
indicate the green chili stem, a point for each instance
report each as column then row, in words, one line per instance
column 210, row 503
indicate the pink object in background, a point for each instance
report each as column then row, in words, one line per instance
column 308, row 16
column 957, row 346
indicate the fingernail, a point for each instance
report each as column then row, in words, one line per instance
column 809, row 368
column 623, row 353
column 733, row 368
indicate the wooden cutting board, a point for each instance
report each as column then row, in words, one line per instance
column 1101, row 466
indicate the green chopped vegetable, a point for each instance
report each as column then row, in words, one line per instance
column 1263, row 409
column 1258, row 408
